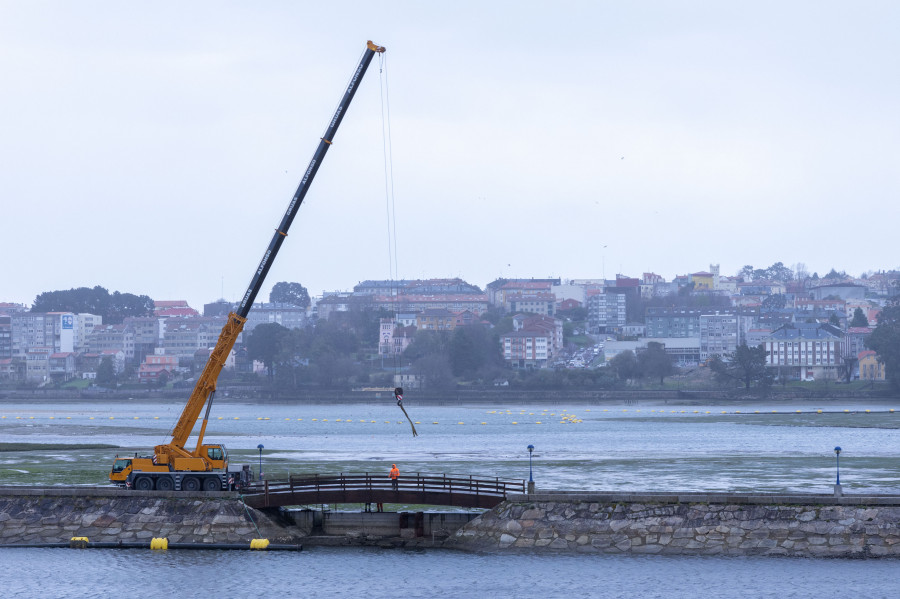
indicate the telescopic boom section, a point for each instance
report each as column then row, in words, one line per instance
column 206, row 384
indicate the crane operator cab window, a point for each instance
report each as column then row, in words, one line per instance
column 215, row 453
column 120, row 465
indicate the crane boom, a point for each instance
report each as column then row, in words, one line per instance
column 206, row 383
column 173, row 455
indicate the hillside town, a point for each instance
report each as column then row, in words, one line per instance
column 811, row 328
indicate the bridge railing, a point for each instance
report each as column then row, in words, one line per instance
column 453, row 490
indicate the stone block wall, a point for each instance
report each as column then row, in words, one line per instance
column 657, row 525
column 130, row 517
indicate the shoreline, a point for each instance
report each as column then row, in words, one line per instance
column 630, row 398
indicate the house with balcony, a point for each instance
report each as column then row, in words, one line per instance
column 12, row 369
column 551, row 327
column 157, row 368
column 61, row 366
column 527, row 348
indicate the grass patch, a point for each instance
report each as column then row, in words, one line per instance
column 53, row 446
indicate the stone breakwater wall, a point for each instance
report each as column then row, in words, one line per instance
column 689, row 524
column 30, row 516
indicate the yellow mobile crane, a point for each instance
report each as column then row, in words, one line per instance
column 173, row 466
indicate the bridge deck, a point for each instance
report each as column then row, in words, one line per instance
column 428, row 489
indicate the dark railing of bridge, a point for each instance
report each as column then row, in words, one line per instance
column 427, row 489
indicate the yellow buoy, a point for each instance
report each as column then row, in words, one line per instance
column 259, row 543
column 159, row 544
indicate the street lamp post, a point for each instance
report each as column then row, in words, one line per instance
column 837, row 485
column 260, row 448
column 530, row 470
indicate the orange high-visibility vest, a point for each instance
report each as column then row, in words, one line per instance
column 395, row 473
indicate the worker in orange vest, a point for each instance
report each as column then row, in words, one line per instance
column 395, row 474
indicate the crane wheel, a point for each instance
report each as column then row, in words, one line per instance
column 190, row 483
column 211, row 483
column 165, row 483
column 143, row 483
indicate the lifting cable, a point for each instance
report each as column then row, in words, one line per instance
column 390, row 208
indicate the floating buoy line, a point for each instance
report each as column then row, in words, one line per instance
column 542, row 417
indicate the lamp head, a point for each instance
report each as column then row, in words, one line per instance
column 837, row 450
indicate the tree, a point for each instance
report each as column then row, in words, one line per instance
column 106, row 372
column 473, row 349
column 427, row 343
column 885, row 341
column 746, row 273
column 655, row 362
column 270, row 344
column 294, row 294
column 96, row 300
column 625, row 365
column 747, row 365
column 779, row 272
column 859, row 319
column 435, row 369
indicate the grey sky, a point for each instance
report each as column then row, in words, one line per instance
column 152, row 148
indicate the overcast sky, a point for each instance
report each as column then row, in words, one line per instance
column 152, row 148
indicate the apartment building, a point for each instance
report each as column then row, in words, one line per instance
column 807, row 350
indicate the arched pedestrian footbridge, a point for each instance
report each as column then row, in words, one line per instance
column 427, row 489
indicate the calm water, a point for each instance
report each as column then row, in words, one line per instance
column 654, row 447
column 361, row 573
